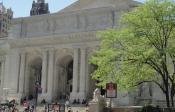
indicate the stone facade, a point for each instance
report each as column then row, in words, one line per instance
column 54, row 49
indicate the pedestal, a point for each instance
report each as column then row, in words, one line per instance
column 73, row 96
column 97, row 106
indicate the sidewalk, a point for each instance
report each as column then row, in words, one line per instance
column 40, row 108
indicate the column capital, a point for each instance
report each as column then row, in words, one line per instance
column 83, row 48
column 44, row 50
column 76, row 49
column 47, row 49
column 51, row 49
column 22, row 51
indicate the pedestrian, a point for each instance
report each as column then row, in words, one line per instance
column 67, row 104
column 15, row 110
column 26, row 105
column 87, row 109
column 69, row 110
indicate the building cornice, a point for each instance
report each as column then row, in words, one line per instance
column 83, row 37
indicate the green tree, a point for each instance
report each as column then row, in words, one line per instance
column 141, row 50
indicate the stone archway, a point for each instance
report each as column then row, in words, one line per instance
column 33, row 76
column 69, row 77
column 63, row 79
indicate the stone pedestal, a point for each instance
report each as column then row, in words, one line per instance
column 73, row 96
column 97, row 106
column 44, row 96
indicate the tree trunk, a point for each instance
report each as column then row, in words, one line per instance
column 167, row 94
column 167, row 99
column 172, row 100
column 172, row 95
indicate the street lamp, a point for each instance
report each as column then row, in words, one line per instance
column 37, row 85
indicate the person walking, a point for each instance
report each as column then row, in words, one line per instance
column 67, row 104
column 70, row 110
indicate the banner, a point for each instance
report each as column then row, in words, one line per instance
column 111, row 90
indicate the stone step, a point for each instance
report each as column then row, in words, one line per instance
column 122, row 109
column 75, row 108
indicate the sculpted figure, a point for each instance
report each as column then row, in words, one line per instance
column 96, row 95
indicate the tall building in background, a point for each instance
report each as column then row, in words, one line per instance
column 39, row 7
column 6, row 16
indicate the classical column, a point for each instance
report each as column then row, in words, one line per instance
column 82, row 73
column 2, row 76
column 6, row 71
column 44, row 72
column 74, row 94
column 22, row 72
column 50, row 73
column 87, row 78
column 75, row 71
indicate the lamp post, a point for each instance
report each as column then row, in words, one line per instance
column 37, row 85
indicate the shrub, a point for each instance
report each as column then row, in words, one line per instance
column 150, row 108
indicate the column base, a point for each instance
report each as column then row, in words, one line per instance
column 97, row 106
column 45, row 97
column 20, row 96
column 73, row 96
column 11, row 96
column 81, row 96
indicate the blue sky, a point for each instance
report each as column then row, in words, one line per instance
column 22, row 8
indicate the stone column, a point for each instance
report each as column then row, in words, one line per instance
column 22, row 72
column 50, row 74
column 6, row 72
column 87, row 78
column 75, row 74
column 6, row 76
column 2, row 77
column 82, row 74
column 44, row 72
column 26, row 78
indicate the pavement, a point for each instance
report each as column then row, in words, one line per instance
column 75, row 108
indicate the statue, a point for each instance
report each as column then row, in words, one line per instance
column 96, row 94
column 98, row 102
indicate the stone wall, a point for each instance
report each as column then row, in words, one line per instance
column 123, row 109
column 65, row 22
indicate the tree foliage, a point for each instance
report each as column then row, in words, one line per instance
column 141, row 50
